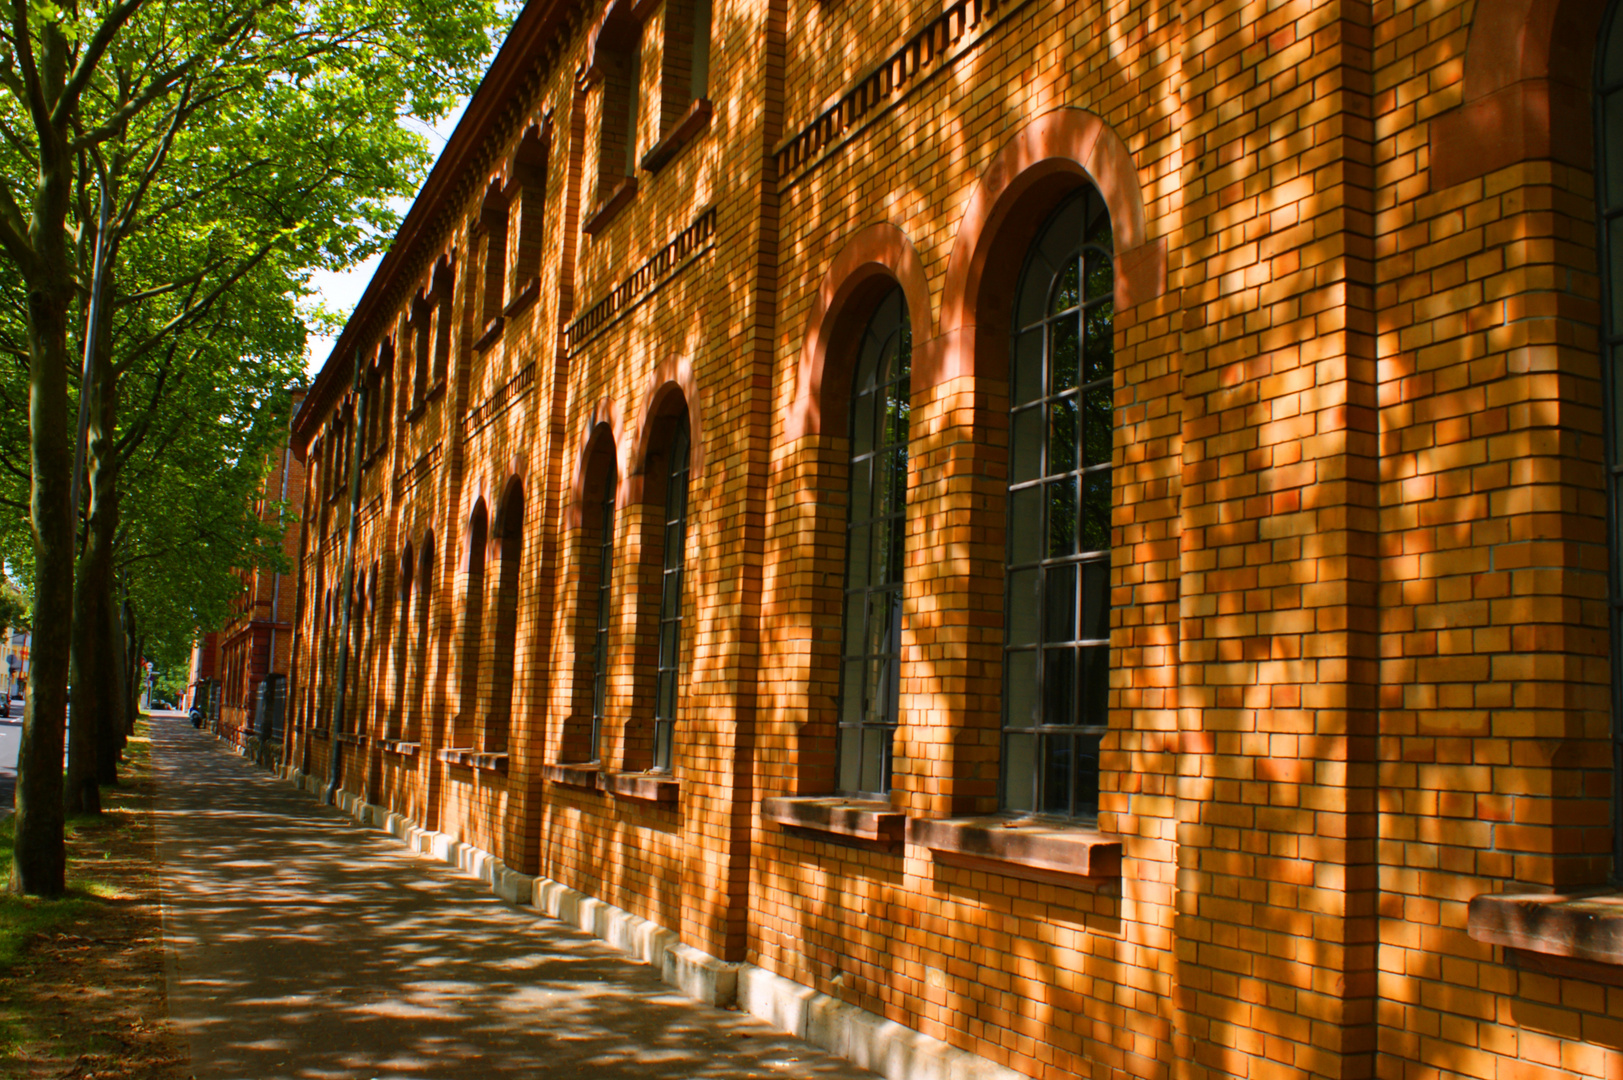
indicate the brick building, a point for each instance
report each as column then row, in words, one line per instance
column 1078, row 528
column 257, row 641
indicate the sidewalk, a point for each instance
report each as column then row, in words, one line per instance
column 303, row 946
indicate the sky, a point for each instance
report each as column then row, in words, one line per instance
column 341, row 292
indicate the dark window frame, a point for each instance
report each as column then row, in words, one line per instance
column 600, row 635
column 668, row 679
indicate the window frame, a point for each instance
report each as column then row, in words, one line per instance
column 668, row 670
column 1044, row 568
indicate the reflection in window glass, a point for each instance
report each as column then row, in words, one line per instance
column 1609, row 214
column 670, row 603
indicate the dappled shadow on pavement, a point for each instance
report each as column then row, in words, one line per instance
column 304, row 946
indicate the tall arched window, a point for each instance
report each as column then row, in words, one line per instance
column 1609, row 215
column 875, row 535
column 601, row 599
column 670, row 598
column 419, row 698
column 504, row 646
column 1056, row 661
column 473, row 626
column 402, row 648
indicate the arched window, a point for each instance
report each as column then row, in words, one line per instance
column 505, row 643
column 1609, row 221
column 600, row 599
column 402, row 647
column 875, row 535
column 473, row 626
column 419, row 698
column 1056, row 659
column 670, row 598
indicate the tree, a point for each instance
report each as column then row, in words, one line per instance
column 248, row 134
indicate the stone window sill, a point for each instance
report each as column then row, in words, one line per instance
column 421, row 407
column 860, row 819
column 1577, row 926
column 492, row 334
column 400, row 747
column 645, row 787
column 472, row 759
column 610, row 206
column 1055, row 854
column 319, row 733
column 581, row 775
column 695, row 121
column 349, row 738
column 523, row 298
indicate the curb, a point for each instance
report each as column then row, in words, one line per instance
column 866, row 1039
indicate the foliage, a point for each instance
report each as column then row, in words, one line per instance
column 16, row 609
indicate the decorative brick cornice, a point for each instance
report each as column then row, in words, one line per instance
column 642, row 282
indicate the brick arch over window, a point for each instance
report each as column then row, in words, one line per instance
column 870, row 263
column 1027, row 179
column 1526, row 96
column 605, row 422
column 670, row 387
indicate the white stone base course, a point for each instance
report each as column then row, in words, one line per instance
column 865, row 1039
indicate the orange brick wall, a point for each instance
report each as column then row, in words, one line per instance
column 1359, row 656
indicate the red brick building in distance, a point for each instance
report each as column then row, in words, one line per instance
column 258, row 639
column 1080, row 529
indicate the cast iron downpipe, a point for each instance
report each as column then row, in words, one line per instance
column 333, row 744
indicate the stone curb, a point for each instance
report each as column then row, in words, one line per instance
column 866, row 1039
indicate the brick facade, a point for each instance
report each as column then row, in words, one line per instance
column 1358, row 645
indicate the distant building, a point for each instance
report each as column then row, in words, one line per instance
column 257, row 642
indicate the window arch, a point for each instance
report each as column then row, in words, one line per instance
column 670, row 597
column 473, row 626
column 1056, row 655
column 504, row 646
column 876, row 529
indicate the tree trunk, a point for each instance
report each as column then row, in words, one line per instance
column 98, row 698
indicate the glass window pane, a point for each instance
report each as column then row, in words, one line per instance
column 1064, row 349
column 850, row 758
column 1062, row 236
column 1062, row 517
column 1062, row 436
column 862, row 424
column 1059, row 686
column 1025, row 526
column 666, row 704
column 669, row 600
column 897, row 407
column 851, row 693
column 855, row 620
column 1019, row 771
column 1613, row 134
column 883, row 567
column 1097, row 425
column 1059, row 604
column 1066, row 292
column 1026, row 437
column 1098, row 227
column 1098, row 344
column 873, row 758
column 1033, row 299
column 1028, row 366
column 1020, row 688
column 861, row 490
column 1095, row 601
column 1087, row 774
column 1095, row 703
column 667, row 644
column 878, row 632
column 1096, row 511
column 1057, row 774
column 1022, row 621
column 856, row 565
column 1100, row 278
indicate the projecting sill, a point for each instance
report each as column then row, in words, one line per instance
column 581, row 775
column 1054, row 854
column 857, row 819
column 349, row 738
column 644, row 787
column 610, row 205
column 400, row 748
column 695, row 120
column 1585, row 926
column 472, row 759
column 523, row 298
column 492, row 334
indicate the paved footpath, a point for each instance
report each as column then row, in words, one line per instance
column 304, row 946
